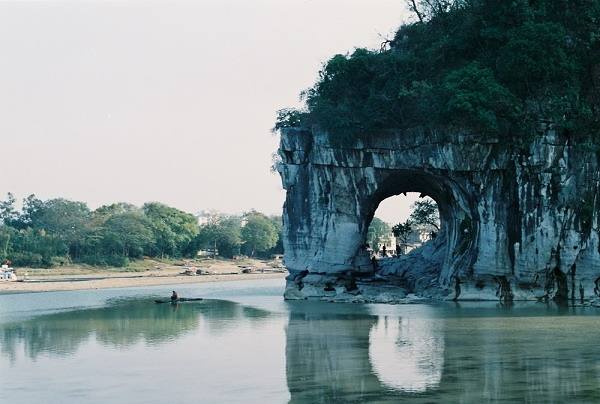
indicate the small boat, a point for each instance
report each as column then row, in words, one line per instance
column 181, row 299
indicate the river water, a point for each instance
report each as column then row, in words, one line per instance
column 243, row 343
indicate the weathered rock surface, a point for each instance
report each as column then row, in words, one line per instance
column 517, row 223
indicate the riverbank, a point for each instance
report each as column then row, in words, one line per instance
column 145, row 273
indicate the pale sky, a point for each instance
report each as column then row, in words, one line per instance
column 170, row 101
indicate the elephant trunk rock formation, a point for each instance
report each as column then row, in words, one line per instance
column 517, row 223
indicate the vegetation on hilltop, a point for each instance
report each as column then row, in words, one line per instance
column 494, row 67
column 54, row 232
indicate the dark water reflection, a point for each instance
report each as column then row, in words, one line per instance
column 122, row 323
column 225, row 351
column 443, row 354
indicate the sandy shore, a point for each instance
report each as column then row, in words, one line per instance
column 158, row 274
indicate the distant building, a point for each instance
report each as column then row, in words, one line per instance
column 389, row 242
column 7, row 273
column 209, row 252
column 419, row 236
column 204, row 216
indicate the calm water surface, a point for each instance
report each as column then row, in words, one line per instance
column 245, row 344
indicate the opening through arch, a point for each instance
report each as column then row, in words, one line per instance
column 442, row 241
column 403, row 223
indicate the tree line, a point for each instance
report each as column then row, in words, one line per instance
column 55, row 232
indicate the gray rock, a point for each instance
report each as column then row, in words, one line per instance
column 517, row 223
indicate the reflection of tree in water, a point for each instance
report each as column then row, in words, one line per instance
column 122, row 323
column 47, row 336
column 522, row 359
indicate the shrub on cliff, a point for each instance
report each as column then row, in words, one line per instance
column 490, row 66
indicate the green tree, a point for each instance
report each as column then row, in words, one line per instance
column 128, row 234
column 476, row 100
column 8, row 212
column 426, row 9
column 490, row 67
column 36, row 248
column 402, row 231
column 222, row 232
column 7, row 235
column 288, row 118
column 61, row 218
column 377, row 232
column 278, row 223
column 259, row 234
column 425, row 212
column 45, row 244
column 173, row 229
column 106, row 211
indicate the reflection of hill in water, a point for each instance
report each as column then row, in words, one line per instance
column 122, row 323
column 356, row 353
column 522, row 359
column 346, row 354
column 327, row 354
column 336, row 354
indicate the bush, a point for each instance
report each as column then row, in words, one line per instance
column 289, row 118
column 106, row 260
column 117, row 261
column 474, row 99
column 27, row 259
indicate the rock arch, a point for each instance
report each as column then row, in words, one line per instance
column 510, row 215
column 457, row 215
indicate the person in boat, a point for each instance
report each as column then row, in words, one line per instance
column 174, row 297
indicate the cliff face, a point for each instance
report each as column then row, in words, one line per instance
column 516, row 223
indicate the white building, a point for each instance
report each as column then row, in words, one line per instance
column 7, row 274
